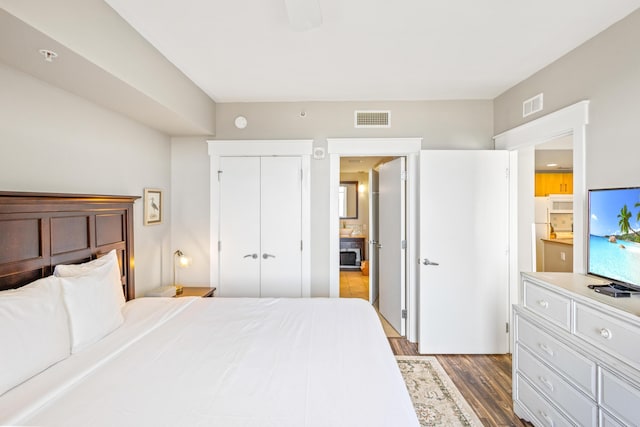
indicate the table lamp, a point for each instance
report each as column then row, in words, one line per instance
column 179, row 260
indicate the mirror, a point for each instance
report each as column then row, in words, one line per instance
column 348, row 199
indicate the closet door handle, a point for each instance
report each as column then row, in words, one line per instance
column 254, row 256
column 266, row 255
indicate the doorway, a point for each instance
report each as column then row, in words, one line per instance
column 372, row 217
column 357, row 195
column 552, row 231
column 378, row 147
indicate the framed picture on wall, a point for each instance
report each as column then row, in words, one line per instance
column 152, row 206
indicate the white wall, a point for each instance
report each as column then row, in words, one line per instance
column 605, row 71
column 53, row 141
column 190, row 208
column 441, row 124
column 108, row 61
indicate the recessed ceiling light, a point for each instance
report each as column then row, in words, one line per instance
column 551, row 165
column 49, row 55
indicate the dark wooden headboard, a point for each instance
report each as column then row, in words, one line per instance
column 40, row 230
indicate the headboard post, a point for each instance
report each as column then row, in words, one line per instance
column 40, row 230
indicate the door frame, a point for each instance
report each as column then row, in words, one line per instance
column 260, row 148
column 396, row 147
column 374, row 221
column 569, row 120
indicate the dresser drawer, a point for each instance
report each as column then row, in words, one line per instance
column 619, row 338
column 580, row 408
column 550, row 305
column 620, row 398
column 545, row 414
column 576, row 367
column 607, row 420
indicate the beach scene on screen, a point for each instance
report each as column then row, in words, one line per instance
column 614, row 234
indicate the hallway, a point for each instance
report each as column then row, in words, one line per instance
column 355, row 285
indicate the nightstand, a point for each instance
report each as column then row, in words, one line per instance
column 196, row 291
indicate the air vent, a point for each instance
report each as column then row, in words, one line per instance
column 532, row 105
column 373, row 119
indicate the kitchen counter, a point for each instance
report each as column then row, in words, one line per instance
column 557, row 255
column 561, row 241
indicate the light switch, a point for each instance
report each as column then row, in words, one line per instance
column 563, row 256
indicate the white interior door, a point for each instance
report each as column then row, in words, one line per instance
column 464, row 234
column 392, row 235
column 373, row 236
column 281, row 230
column 239, row 227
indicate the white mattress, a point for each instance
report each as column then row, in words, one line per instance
column 225, row 362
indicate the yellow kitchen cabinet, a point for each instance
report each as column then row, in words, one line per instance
column 553, row 183
column 567, row 180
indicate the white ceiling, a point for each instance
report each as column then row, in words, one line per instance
column 246, row 50
column 555, row 155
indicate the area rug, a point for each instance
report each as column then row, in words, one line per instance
column 436, row 399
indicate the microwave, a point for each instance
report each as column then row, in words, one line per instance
column 560, row 203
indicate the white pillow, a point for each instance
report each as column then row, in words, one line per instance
column 92, row 306
column 110, row 260
column 34, row 331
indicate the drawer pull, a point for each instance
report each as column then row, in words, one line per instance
column 544, row 304
column 546, row 349
column 546, row 417
column 546, row 383
column 605, row 333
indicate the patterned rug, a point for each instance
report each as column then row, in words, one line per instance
column 436, row 399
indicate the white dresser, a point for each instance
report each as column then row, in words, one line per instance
column 576, row 358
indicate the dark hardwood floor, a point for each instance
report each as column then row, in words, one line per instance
column 483, row 380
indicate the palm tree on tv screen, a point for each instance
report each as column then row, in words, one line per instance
column 624, row 216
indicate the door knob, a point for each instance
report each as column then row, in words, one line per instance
column 254, row 256
column 266, row 255
column 427, row 262
column 378, row 245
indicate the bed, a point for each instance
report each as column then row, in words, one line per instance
column 180, row 361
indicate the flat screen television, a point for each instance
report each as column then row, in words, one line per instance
column 614, row 237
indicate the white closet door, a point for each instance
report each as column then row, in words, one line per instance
column 239, row 227
column 281, row 230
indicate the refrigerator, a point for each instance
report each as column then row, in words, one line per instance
column 540, row 230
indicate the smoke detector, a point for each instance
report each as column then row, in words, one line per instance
column 49, row 55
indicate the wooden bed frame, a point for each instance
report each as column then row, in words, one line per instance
column 40, row 230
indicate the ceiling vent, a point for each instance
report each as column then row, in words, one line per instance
column 532, row 105
column 372, row 119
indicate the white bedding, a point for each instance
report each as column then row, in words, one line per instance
column 224, row 362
